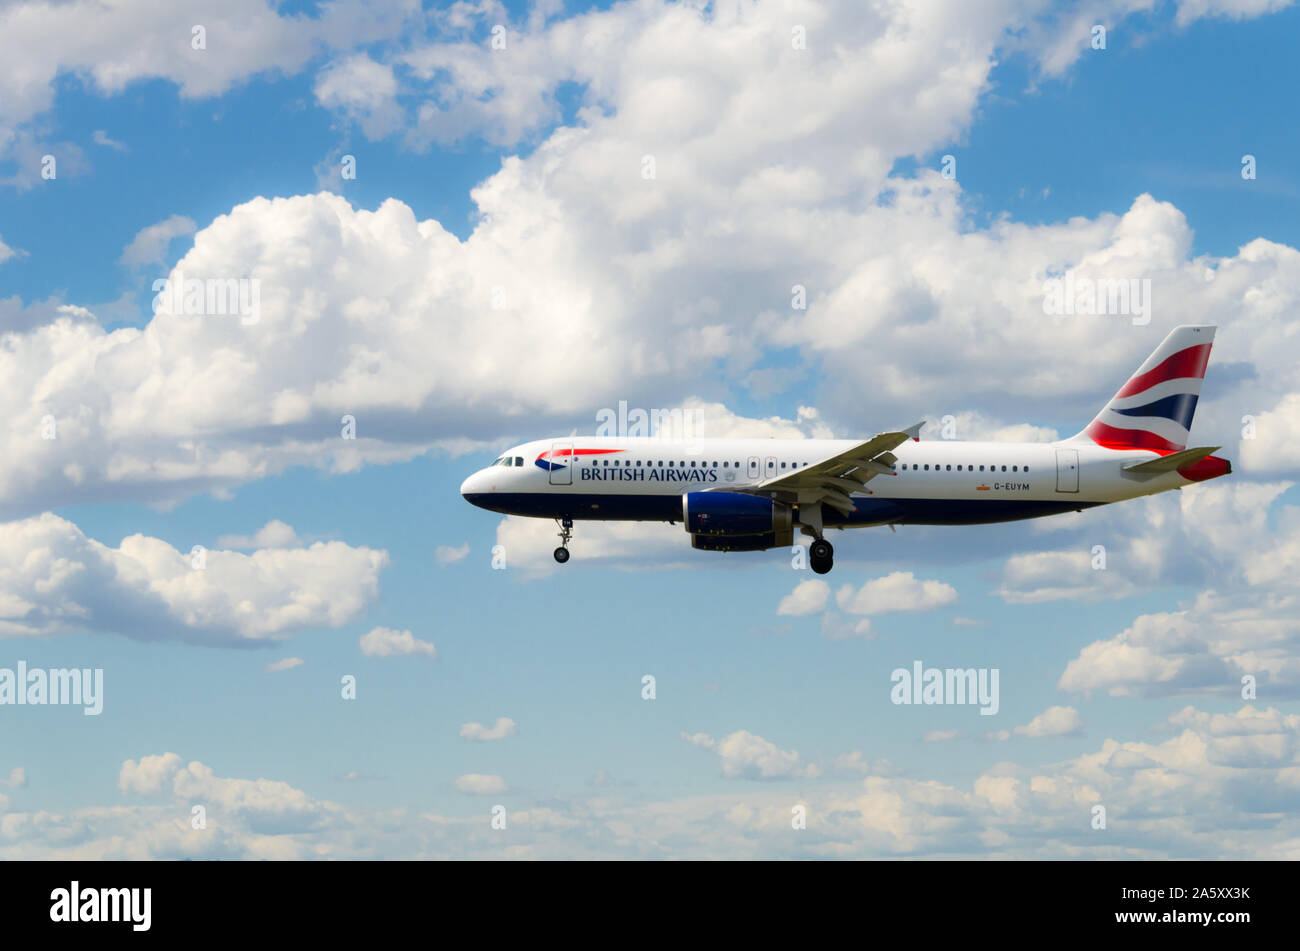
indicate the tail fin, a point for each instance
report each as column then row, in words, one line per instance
column 1153, row 410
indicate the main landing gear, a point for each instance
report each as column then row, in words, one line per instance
column 566, row 532
column 821, row 556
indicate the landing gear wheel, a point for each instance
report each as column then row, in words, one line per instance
column 821, row 556
column 566, row 532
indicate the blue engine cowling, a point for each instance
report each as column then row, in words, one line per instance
column 734, row 513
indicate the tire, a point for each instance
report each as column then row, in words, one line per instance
column 821, row 550
column 561, row 554
column 821, row 567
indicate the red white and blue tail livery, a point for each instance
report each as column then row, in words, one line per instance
column 754, row 494
column 1153, row 410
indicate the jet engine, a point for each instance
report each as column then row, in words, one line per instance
column 745, row 522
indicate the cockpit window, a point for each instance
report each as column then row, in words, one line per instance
column 519, row 460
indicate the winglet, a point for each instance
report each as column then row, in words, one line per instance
column 914, row 431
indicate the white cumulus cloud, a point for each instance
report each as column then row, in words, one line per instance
column 477, row 732
column 56, row 580
column 386, row 642
column 898, row 591
column 479, row 784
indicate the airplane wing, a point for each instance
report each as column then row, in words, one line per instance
column 834, row 479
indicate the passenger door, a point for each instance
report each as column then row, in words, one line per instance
column 562, row 457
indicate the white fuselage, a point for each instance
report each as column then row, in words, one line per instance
column 935, row 482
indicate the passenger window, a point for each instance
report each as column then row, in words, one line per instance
column 927, row 467
column 1004, row 468
column 1015, row 468
column 950, row 468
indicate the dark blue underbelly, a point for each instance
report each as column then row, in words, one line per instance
column 668, row 508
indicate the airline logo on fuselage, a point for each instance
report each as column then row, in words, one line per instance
column 544, row 462
column 620, row 473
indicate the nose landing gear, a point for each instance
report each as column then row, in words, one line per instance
column 566, row 532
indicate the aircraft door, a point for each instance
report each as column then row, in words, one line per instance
column 753, row 468
column 1067, row 470
column 562, row 458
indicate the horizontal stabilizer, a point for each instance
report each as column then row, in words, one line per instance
column 1175, row 460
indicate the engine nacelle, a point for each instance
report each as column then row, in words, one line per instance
column 742, row 542
column 734, row 514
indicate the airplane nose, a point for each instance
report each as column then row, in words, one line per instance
column 472, row 486
column 478, row 488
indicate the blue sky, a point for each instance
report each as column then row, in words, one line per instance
column 520, row 169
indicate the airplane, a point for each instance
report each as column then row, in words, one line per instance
column 752, row 494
